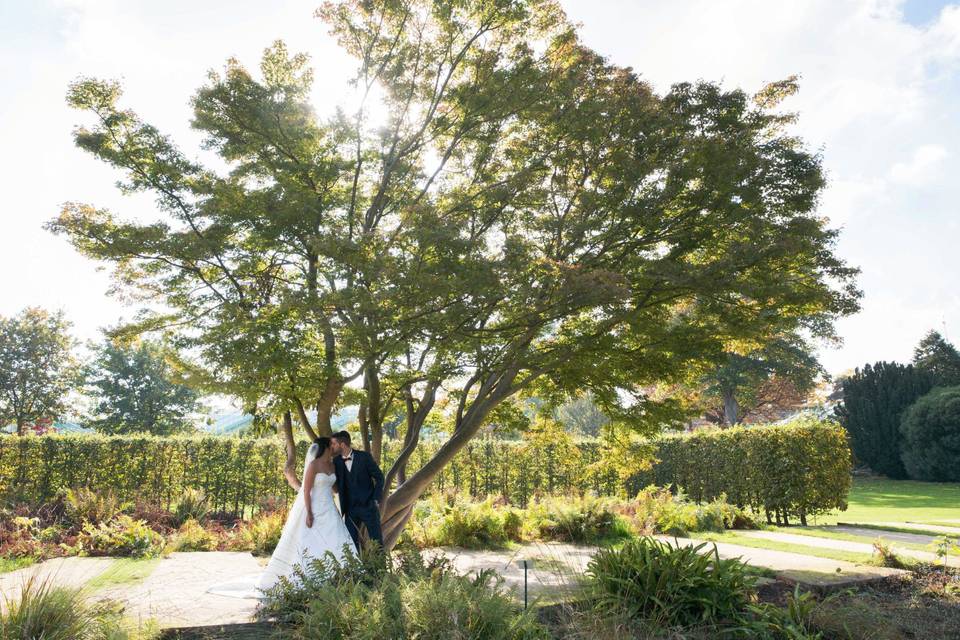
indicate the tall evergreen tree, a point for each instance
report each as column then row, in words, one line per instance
column 874, row 399
column 938, row 357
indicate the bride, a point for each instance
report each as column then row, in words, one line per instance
column 313, row 528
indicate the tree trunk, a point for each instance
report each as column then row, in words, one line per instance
column 290, row 446
column 398, row 506
column 325, row 406
column 21, row 426
column 365, row 427
column 731, row 408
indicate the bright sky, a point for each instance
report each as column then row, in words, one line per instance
column 879, row 96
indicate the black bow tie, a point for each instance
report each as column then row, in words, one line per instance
column 348, row 458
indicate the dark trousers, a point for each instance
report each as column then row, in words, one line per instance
column 364, row 517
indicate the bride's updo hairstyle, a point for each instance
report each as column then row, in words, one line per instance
column 323, row 443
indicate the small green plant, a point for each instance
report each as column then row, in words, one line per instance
column 45, row 611
column 768, row 621
column 193, row 505
column 885, row 556
column 259, row 535
column 943, row 545
column 122, row 536
column 652, row 581
column 192, row 537
column 83, row 506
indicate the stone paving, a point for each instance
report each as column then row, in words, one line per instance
column 916, row 525
column 840, row 545
column 889, row 536
column 63, row 572
column 175, row 594
column 553, row 568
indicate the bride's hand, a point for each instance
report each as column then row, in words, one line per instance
column 309, row 520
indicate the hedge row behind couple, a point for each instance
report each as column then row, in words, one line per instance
column 314, row 526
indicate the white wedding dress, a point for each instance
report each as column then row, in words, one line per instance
column 299, row 544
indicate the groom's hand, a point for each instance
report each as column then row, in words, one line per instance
column 309, row 520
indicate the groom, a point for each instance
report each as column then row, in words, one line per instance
column 360, row 485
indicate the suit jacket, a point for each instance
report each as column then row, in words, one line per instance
column 362, row 485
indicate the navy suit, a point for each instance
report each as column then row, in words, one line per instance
column 360, row 490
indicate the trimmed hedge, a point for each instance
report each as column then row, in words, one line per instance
column 784, row 471
column 787, row 471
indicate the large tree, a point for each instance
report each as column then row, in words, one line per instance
column 939, row 358
column 136, row 391
column 38, row 369
column 528, row 218
column 778, row 373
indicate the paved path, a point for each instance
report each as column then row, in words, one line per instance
column 175, row 594
column 840, row 545
column 62, row 572
column 927, row 527
column 889, row 536
column 556, row 568
column 796, row 567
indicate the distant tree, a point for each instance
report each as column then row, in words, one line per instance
column 931, row 436
column 136, row 392
column 874, row 399
column 940, row 358
column 581, row 414
column 38, row 369
column 776, row 374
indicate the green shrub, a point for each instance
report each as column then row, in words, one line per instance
column 82, row 505
column 259, row 535
column 122, row 536
column 579, row 520
column 657, row 510
column 45, row 611
column 662, row 585
column 192, row 537
column 449, row 521
column 931, row 436
column 192, row 505
column 407, row 598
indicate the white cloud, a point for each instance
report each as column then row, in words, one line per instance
column 924, row 167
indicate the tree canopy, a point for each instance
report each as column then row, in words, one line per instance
column 38, row 369
column 938, row 357
column 529, row 218
column 135, row 391
column 780, row 371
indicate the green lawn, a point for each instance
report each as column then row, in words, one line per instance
column 881, row 500
column 12, row 564
column 124, row 571
column 733, row 537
